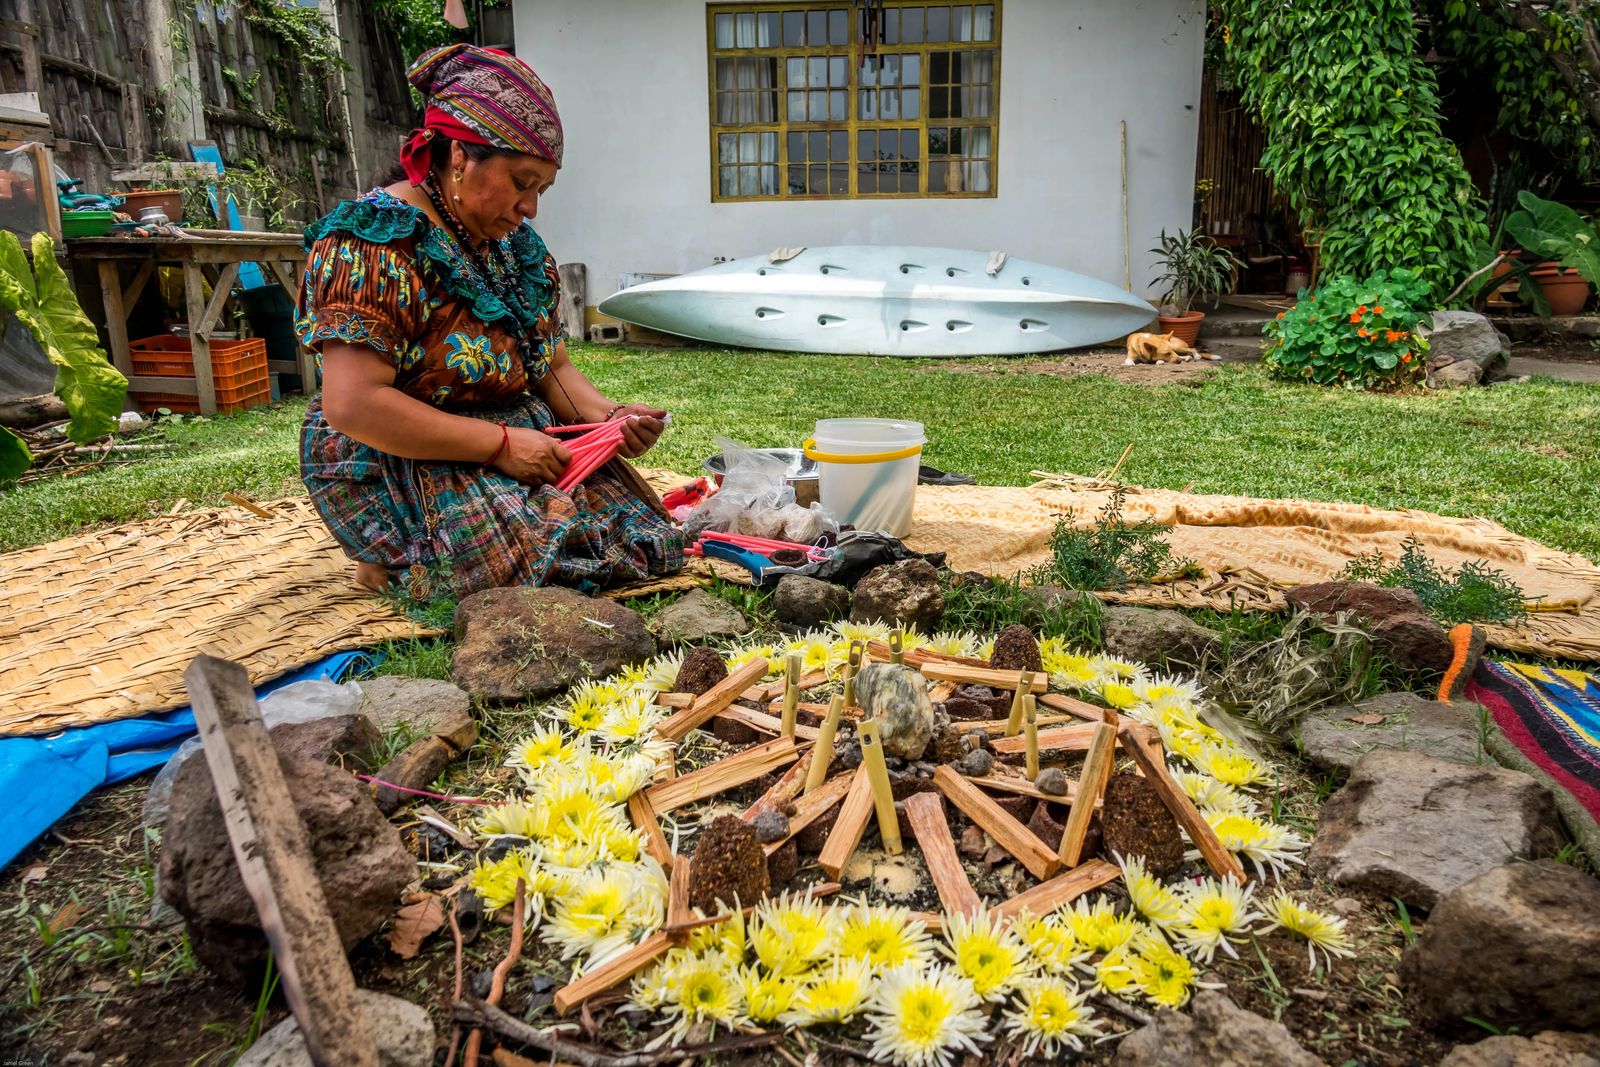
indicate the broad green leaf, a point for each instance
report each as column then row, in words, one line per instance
column 1555, row 231
column 14, row 456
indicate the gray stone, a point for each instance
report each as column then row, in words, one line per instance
column 350, row 739
column 1334, row 740
column 697, row 617
column 404, row 1036
column 1405, row 633
column 897, row 697
column 977, row 763
column 1040, row 602
column 1157, row 636
column 804, row 602
column 1549, row 1049
column 1411, row 826
column 1517, row 946
column 1052, row 780
column 417, row 704
column 771, row 826
column 1455, row 375
column 358, row 855
column 522, row 644
column 1466, row 337
column 1215, row 1032
column 901, row 594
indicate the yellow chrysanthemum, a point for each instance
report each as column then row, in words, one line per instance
column 766, row 653
column 593, row 915
column 1319, row 929
column 1118, row 694
column 1212, row 910
column 661, row 673
column 515, row 819
column 1050, row 1016
column 1098, row 927
column 883, row 935
column 1232, row 767
column 542, row 745
column 727, row 936
column 1115, row 668
column 700, row 989
column 1266, row 845
column 833, row 995
column 587, row 705
column 632, row 719
column 987, row 952
column 953, row 643
column 1050, row 943
column 863, row 631
column 789, row 934
column 766, row 996
column 1162, row 973
column 496, row 883
column 1207, row 792
column 1114, row 973
column 1162, row 688
column 923, row 1017
column 1150, row 898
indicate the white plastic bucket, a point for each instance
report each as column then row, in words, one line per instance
column 867, row 471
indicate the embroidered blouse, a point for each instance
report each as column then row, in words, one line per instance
column 379, row 273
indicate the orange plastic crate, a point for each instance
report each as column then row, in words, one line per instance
column 229, row 398
column 169, row 356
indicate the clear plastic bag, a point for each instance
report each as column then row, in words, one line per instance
column 757, row 500
column 295, row 702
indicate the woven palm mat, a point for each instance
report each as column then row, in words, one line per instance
column 1252, row 550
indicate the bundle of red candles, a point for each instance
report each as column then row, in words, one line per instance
column 599, row 443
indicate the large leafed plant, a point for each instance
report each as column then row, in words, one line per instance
column 42, row 300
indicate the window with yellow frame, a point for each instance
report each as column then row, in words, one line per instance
column 841, row 100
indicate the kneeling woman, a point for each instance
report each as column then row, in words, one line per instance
column 432, row 305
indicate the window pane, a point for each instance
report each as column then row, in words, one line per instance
column 838, row 27
column 797, row 107
column 769, row 180
column 770, row 33
column 961, row 23
column 724, row 31
column 819, row 181
column 976, row 175
column 939, row 68
column 891, row 26
column 816, row 27
column 838, row 107
column 908, row 144
column 819, row 106
column 866, row 179
column 838, row 74
column 890, row 68
column 817, row 71
column 797, row 181
column 958, row 142
column 983, row 22
column 839, row 179
column 769, row 148
column 867, row 145
column 911, row 21
column 939, row 102
column 795, row 75
column 867, row 104
column 977, row 101
column 818, row 146
column 749, row 181
column 727, row 147
column 794, row 28
column 938, row 24
column 978, row 142
column 869, row 72
column 911, row 103
column 728, row 181
column 797, row 147
column 745, row 37
column 938, row 176
column 747, row 148
column 938, row 141
column 911, row 69
column 838, row 145
column 910, row 179
column 889, row 103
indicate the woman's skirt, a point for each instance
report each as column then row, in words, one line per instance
column 474, row 528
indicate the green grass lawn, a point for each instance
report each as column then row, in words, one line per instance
column 1526, row 455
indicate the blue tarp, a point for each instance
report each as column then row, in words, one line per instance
column 44, row 778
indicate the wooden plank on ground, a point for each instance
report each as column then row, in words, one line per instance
column 813, row 806
column 643, row 815
column 1091, row 787
column 713, row 700
column 782, row 793
column 618, row 970
column 1010, row 834
column 274, row 857
column 674, row 700
column 851, row 824
column 921, row 657
column 1006, row 680
column 1177, row 801
column 1046, row 897
column 925, row 813
column 722, row 775
column 775, row 708
column 995, row 726
column 678, row 913
column 1074, row 738
column 1078, row 709
column 768, row 691
column 767, row 724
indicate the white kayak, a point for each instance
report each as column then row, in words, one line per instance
column 886, row 301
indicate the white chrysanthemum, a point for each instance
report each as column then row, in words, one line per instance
column 883, row 935
column 986, row 951
column 1212, row 912
column 661, row 673
column 1050, row 1016
column 1319, row 929
column 541, row 745
column 833, row 994
column 1150, row 897
column 923, row 1017
column 631, row 720
column 1265, row 844
column 790, row 933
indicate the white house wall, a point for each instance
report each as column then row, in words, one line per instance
column 630, row 79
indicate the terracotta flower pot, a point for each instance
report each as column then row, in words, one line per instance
column 170, row 201
column 1185, row 328
column 1567, row 290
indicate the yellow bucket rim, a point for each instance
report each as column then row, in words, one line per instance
column 810, row 449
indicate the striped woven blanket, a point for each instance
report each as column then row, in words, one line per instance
column 1552, row 716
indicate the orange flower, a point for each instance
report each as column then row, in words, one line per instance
column 1355, row 316
column 1281, row 314
column 1378, row 310
column 1362, row 309
column 1406, row 358
column 1362, row 332
column 1392, row 335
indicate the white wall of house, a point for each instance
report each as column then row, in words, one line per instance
column 631, row 81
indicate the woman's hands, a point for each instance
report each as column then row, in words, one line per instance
column 531, row 457
column 641, row 428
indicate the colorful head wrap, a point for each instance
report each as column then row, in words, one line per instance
column 481, row 96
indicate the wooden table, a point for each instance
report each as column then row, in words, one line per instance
column 213, row 255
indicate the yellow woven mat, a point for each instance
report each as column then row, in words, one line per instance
column 101, row 626
column 1252, row 550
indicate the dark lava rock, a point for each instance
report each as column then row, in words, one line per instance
column 977, row 763
column 1136, row 823
column 1019, row 808
column 728, row 866
column 1016, row 649
column 358, row 855
column 847, row 757
column 351, row 738
column 702, row 668
column 1157, row 636
column 811, row 839
column 1405, row 633
column 1046, row 827
column 783, row 864
column 1052, row 780
column 521, row 644
column 805, row 603
column 771, row 826
column 903, row 594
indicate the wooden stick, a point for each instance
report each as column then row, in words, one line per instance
column 1007, row 680
column 767, row 724
column 1074, row 738
column 719, row 696
column 882, row 793
column 617, row 970
column 1023, row 686
column 1091, row 787
column 274, row 857
column 921, row 657
column 678, row 911
column 811, row 807
column 1076, row 708
column 771, row 690
column 1005, row 782
column 783, row 791
column 722, row 775
column 849, row 826
column 1010, row 834
column 1046, row 897
column 674, row 700
column 791, row 694
column 643, row 815
column 999, row 725
column 497, row 981
column 1177, row 801
column 822, row 753
column 897, row 648
column 1030, row 734
column 925, row 813
column 775, row 709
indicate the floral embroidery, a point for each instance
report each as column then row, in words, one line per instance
column 470, row 357
column 441, row 394
column 411, row 355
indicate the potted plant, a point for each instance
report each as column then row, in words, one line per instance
column 1193, row 268
column 1567, row 246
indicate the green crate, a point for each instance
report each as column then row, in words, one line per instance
column 87, row 223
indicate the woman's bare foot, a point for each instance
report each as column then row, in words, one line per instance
column 373, row 576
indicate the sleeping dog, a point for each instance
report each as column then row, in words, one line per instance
column 1160, row 348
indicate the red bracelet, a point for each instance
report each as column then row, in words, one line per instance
column 505, row 439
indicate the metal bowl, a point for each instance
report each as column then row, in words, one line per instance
column 801, row 472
